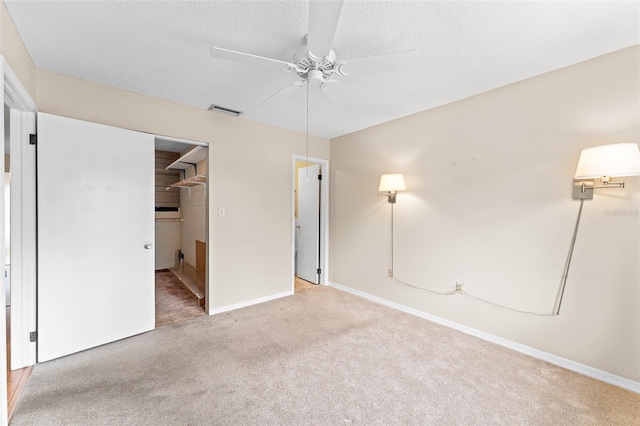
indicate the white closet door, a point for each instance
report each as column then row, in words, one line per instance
column 309, row 223
column 95, row 235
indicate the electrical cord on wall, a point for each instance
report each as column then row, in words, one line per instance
column 443, row 293
column 507, row 307
column 460, row 290
column 459, row 286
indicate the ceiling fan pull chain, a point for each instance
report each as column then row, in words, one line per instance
column 307, row 168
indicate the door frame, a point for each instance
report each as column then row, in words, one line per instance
column 15, row 96
column 324, row 218
column 23, row 239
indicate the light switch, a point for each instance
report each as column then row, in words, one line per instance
column 221, row 212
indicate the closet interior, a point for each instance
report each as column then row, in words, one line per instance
column 180, row 216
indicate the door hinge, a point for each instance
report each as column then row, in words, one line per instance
column 33, row 138
column 319, row 177
column 33, row 336
column 318, row 271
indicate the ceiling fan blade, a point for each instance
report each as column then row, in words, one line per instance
column 247, row 58
column 381, row 63
column 280, row 92
column 336, row 93
column 323, row 21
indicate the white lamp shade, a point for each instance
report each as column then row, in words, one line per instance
column 620, row 159
column 391, row 182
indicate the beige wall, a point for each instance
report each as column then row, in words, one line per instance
column 249, row 175
column 13, row 50
column 488, row 204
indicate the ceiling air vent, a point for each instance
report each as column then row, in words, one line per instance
column 223, row 110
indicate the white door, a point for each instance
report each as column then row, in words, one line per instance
column 308, row 258
column 95, row 235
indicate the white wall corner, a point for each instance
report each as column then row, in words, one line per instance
column 235, row 306
column 585, row 370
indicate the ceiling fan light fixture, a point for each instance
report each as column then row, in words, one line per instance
column 223, row 110
column 316, row 63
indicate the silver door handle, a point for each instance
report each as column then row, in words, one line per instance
column 148, row 246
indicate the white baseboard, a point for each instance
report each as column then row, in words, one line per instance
column 527, row 350
column 235, row 306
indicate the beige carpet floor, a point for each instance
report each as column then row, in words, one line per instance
column 174, row 302
column 320, row 357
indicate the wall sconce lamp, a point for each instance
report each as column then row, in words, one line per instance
column 603, row 162
column 390, row 184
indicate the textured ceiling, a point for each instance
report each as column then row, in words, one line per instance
column 161, row 49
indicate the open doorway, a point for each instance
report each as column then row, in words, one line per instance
column 19, row 248
column 180, row 229
column 310, row 189
column 17, row 375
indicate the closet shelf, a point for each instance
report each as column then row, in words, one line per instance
column 189, row 182
column 190, row 159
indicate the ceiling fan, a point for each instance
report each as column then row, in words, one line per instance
column 315, row 62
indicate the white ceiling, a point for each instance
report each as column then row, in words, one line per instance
column 161, row 49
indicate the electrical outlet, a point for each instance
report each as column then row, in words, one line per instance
column 390, row 272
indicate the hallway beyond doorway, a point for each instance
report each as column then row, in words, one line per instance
column 301, row 284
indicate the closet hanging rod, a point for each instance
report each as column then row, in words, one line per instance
column 186, row 185
column 189, row 182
